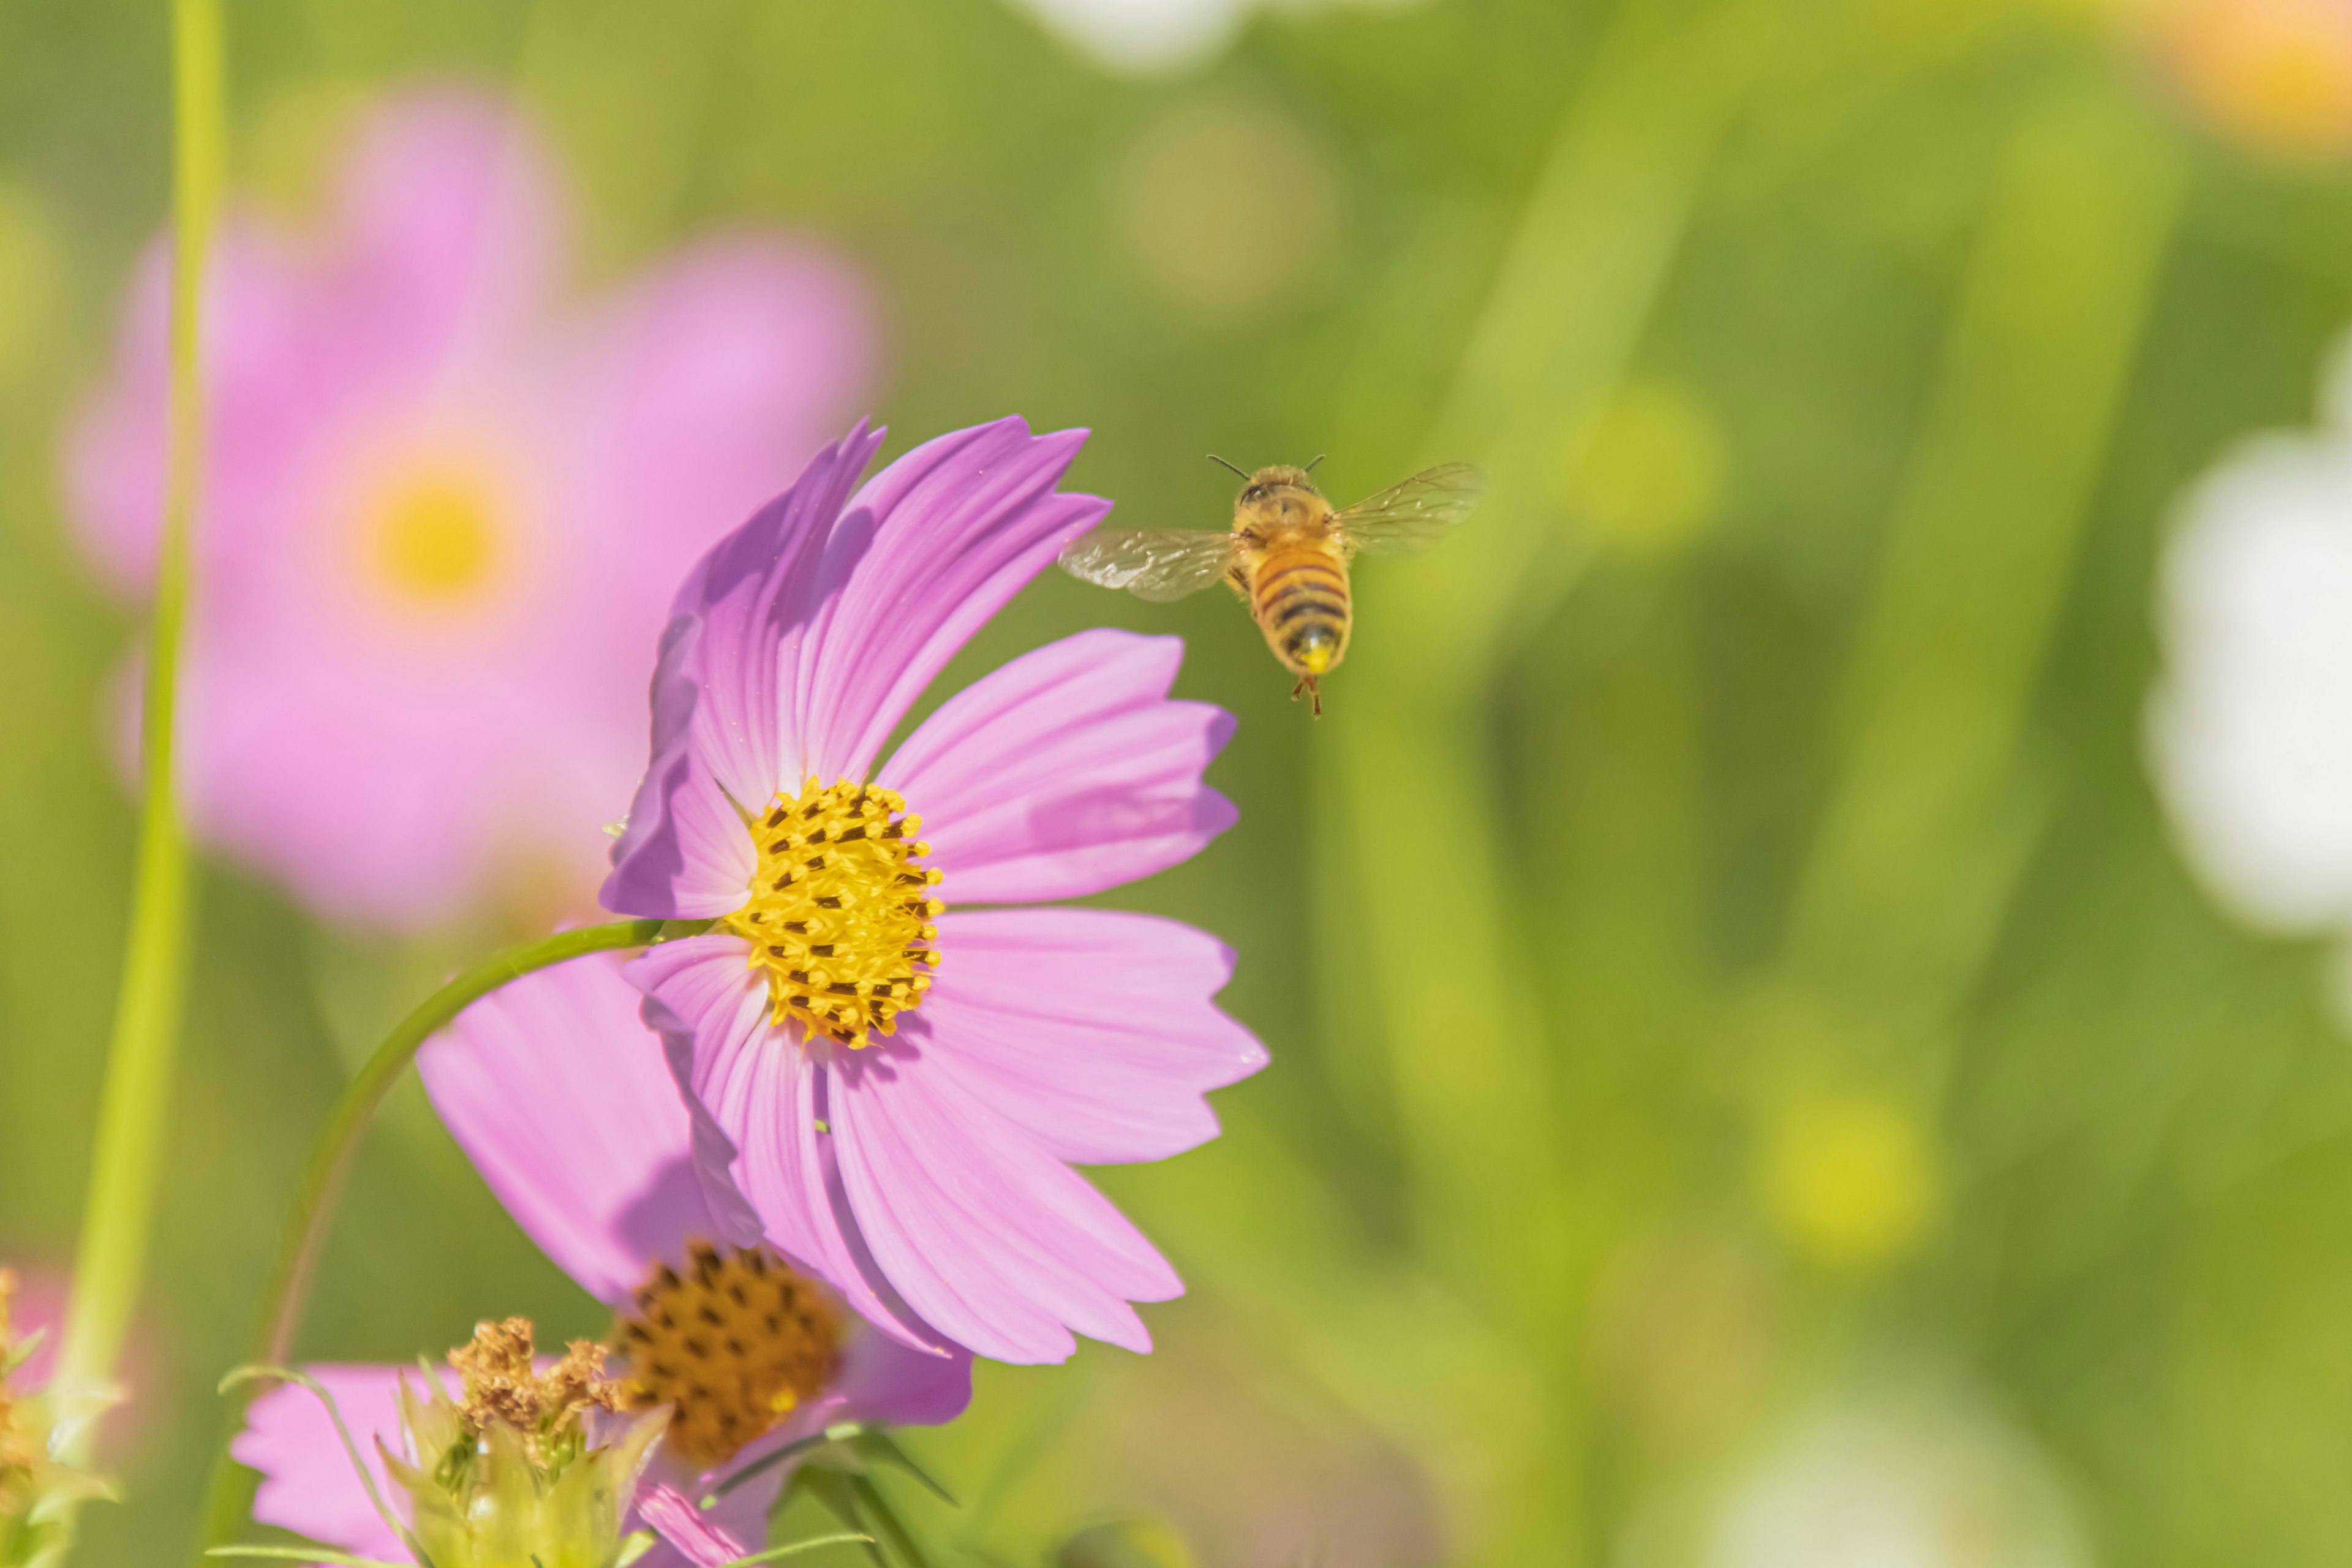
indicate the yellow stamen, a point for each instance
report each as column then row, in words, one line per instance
column 501, row 1383
column 733, row 1345
column 840, row 916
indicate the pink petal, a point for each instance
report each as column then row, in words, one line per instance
column 454, row 221
column 882, row 1380
column 1092, row 1030
column 308, row 1484
column 714, row 376
column 720, row 699
column 754, row 1096
column 960, row 524
column 694, row 1536
column 686, row 852
column 1065, row 772
column 798, row 642
column 563, row 1099
column 983, row 1231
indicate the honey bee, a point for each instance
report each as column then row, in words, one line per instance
column 1286, row 556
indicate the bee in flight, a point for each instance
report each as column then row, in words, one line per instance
column 1286, row 554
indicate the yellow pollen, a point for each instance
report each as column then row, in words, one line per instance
column 840, row 916
column 734, row 1346
column 436, row 539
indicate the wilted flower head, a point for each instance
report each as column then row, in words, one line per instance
column 445, row 506
column 514, row 1472
column 893, row 1093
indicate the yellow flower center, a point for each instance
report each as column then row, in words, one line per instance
column 840, row 915
column 734, row 1346
column 434, row 538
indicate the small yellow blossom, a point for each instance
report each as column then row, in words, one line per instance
column 1850, row 1180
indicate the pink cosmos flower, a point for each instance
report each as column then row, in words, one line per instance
column 561, row 1099
column 445, row 508
column 898, row 1093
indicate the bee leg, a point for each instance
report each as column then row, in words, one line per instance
column 1306, row 684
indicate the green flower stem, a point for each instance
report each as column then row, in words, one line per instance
column 230, row 1498
column 128, row 1150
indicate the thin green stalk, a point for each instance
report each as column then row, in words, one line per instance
column 1936, row 805
column 130, row 1126
column 230, row 1498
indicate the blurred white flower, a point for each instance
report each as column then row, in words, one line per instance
column 2250, row 729
column 1912, row 1482
column 1159, row 35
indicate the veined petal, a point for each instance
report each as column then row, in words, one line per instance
column 685, row 853
column 1065, row 772
column 722, row 723
column 308, row 1484
column 798, row 643
column 563, row 1100
column 960, row 525
column 753, row 1097
column 1094, row 1031
column 987, row 1234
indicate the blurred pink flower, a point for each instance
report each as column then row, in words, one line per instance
column 559, row 1095
column 445, row 508
column 910, row 1135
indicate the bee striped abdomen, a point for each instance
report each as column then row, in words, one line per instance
column 1300, row 600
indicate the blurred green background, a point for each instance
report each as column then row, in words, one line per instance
column 1745, row 1053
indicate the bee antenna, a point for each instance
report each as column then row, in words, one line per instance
column 1214, row 458
column 1310, row 468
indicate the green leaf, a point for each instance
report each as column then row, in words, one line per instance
column 767, row 1462
column 877, row 1515
column 875, row 1444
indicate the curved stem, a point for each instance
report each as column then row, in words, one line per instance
column 230, row 1497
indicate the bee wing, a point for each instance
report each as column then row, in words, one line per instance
column 1407, row 518
column 1159, row 564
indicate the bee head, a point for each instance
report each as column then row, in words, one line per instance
column 1279, row 475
